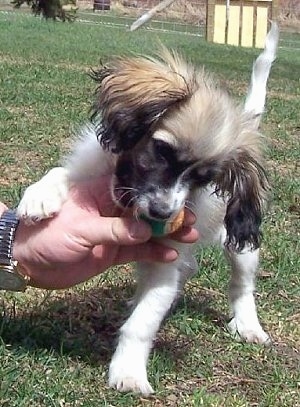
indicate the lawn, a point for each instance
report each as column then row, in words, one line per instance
column 55, row 346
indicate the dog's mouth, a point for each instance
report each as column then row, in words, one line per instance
column 146, row 200
column 141, row 208
column 141, row 205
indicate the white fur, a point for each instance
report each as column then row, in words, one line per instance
column 255, row 100
column 244, row 323
column 158, row 285
column 44, row 198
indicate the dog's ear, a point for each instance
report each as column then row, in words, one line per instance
column 133, row 94
column 242, row 180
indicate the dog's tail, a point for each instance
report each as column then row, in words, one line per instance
column 255, row 100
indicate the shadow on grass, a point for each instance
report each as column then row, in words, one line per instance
column 85, row 324
column 82, row 324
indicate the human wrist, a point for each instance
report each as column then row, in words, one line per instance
column 3, row 208
column 18, row 246
column 11, row 277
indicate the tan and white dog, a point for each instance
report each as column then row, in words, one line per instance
column 171, row 137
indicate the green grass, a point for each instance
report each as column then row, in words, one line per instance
column 55, row 349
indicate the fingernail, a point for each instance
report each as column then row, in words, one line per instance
column 171, row 255
column 140, row 230
column 190, row 219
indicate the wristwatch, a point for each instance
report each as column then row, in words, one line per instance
column 10, row 276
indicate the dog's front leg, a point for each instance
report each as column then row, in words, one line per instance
column 245, row 324
column 44, row 198
column 157, row 289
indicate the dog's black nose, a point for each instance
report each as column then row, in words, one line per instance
column 159, row 212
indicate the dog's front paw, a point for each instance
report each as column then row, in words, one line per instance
column 44, row 198
column 129, row 378
column 250, row 333
column 40, row 202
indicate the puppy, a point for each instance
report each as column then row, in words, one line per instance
column 171, row 137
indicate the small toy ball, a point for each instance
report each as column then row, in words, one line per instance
column 161, row 228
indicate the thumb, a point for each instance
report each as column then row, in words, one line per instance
column 114, row 230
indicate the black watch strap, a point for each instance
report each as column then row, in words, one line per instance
column 8, row 225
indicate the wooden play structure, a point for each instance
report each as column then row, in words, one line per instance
column 240, row 22
column 233, row 22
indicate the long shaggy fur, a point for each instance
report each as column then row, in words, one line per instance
column 134, row 93
column 140, row 97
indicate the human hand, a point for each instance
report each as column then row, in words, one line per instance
column 88, row 236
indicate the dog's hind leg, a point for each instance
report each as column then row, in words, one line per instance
column 157, row 289
column 244, row 323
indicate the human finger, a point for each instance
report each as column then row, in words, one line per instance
column 115, row 230
column 189, row 218
column 186, row 234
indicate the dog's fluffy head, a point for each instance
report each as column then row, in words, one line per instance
column 175, row 130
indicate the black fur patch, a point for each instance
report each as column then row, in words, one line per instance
column 150, row 165
column 244, row 182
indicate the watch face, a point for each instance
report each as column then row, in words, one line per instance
column 11, row 281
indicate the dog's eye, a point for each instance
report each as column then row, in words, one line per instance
column 164, row 151
column 203, row 175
